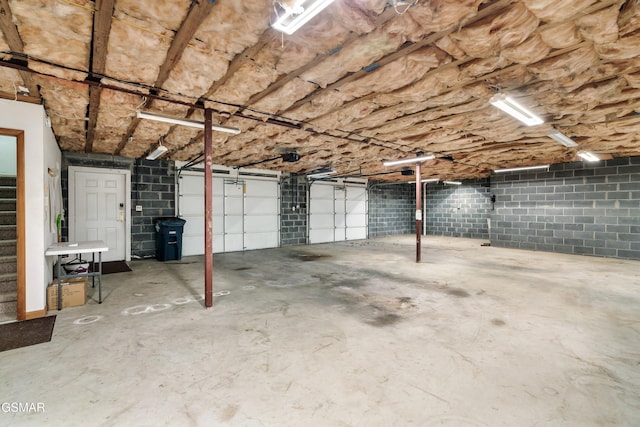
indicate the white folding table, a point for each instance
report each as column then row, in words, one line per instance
column 79, row 248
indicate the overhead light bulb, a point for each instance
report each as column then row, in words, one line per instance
column 453, row 182
column 515, row 109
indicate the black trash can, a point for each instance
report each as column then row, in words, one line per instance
column 169, row 238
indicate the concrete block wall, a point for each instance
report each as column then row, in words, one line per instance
column 458, row 210
column 152, row 187
column 391, row 209
column 576, row 208
column 293, row 210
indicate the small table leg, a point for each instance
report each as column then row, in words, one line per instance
column 99, row 277
column 59, row 283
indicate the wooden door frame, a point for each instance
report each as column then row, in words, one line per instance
column 20, row 221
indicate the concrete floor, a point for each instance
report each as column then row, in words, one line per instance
column 350, row 334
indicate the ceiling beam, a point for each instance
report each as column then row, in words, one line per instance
column 101, row 30
column 195, row 17
column 15, row 43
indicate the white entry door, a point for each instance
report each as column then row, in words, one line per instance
column 98, row 207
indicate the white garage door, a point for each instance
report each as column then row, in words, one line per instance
column 245, row 213
column 337, row 211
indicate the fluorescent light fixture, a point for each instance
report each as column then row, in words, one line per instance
column 524, row 168
column 299, row 14
column 425, row 181
column 515, row 109
column 589, row 157
column 410, row 160
column 453, row 182
column 159, row 151
column 185, row 122
column 562, row 138
column 321, row 174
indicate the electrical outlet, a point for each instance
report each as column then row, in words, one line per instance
column 138, row 208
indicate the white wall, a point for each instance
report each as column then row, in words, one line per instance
column 41, row 152
column 7, row 155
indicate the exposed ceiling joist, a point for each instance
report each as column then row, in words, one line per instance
column 197, row 14
column 101, row 29
column 12, row 36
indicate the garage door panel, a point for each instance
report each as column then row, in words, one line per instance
column 192, row 206
column 260, row 240
column 234, row 224
column 356, row 193
column 320, row 236
column 356, row 221
column 338, row 212
column 253, row 206
column 233, row 206
column 260, row 224
column 321, row 221
column 258, row 188
column 356, row 206
column 322, row 191
column 245, row 213
column 356, row 233
column 233, row 242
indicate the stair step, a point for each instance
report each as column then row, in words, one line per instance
column 7, row 204
column 8, row 181
column 8, row 218
column 8, row 282
column 8, row 264
column 9, row 296
column 8, row 310
column 7, row 192
column 8, row 247
column 8, row 232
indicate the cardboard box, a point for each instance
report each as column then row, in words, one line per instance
column 74, row 293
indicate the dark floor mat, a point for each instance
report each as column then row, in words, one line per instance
column 114, row 267
column 26, row 332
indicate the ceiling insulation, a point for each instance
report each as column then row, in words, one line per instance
column 358, row 84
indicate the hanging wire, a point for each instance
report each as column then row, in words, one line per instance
column 403, row 3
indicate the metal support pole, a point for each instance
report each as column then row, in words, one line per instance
column 208, row 210
column 418, row 210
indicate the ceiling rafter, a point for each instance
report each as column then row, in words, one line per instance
column 198, row 12
column 12, row 36
column 101, row 29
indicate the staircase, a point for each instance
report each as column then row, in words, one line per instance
column 8, row 258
